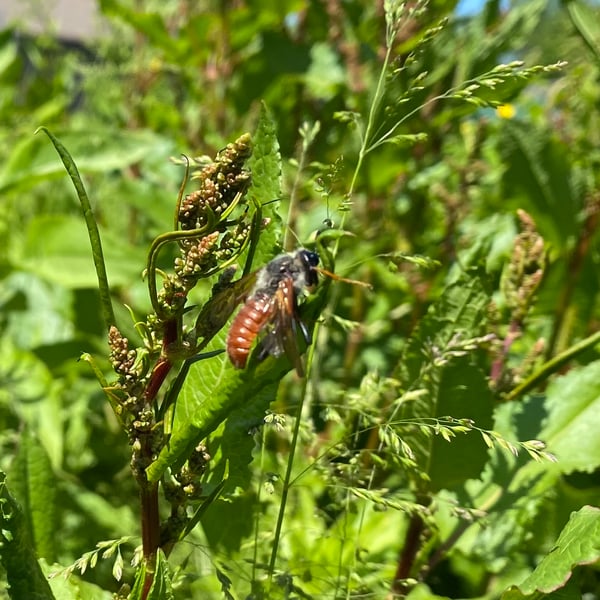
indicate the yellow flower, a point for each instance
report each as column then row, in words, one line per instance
column 506, row 111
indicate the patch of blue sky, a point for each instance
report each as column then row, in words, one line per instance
column 468, row 8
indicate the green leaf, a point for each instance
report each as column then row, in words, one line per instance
column 57, row 248
column 214, row 390
column 570, row 430
column 539, row 179
column 434, row 360
column 505, row 489
column 585, row 20
column 96, row 150
column 578, row 544
column 226, row 523
column 91, row 225
column 34, row 484
column 265, row 166
column 161, row 586
column 138, row 585
column 463, row 392
column 151, row 25
column 17, row 554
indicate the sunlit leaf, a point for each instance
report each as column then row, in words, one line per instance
column 578, row 544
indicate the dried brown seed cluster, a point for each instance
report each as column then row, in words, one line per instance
column 203, row 214
column 121, row 357
column 198, row 257
column 132, row 369
column 219, row 183
column 526, row 268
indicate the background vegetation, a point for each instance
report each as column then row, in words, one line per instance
column 444, row 441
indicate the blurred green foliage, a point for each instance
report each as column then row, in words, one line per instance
column 470, row 190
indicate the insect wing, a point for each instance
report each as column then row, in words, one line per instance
column 282, row 337
column 219, row 308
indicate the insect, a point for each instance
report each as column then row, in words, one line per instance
column 271, row 310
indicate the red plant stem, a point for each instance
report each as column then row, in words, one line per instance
column 159, row 374
column 150, row 519
column 150, row 531
column 408, row 554
column 163, row 365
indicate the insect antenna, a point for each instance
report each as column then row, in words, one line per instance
column 336, row 277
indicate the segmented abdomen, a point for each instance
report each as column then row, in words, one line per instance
column 246, row 326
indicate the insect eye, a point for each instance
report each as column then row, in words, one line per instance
column 311, row 259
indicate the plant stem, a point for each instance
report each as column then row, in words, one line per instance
column 408, row 553
column 150, row 531
column 288, row 476
column 258, row 502
column 150, row 519
column 288, row 239
column 553, row 365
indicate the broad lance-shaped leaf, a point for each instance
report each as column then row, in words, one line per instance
column 17, row 554
column 34, row 485
column 578, row 544
column 226, row 523
column 265, row 166
column 213, row 390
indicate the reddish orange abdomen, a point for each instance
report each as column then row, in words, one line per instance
column 246, row 326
